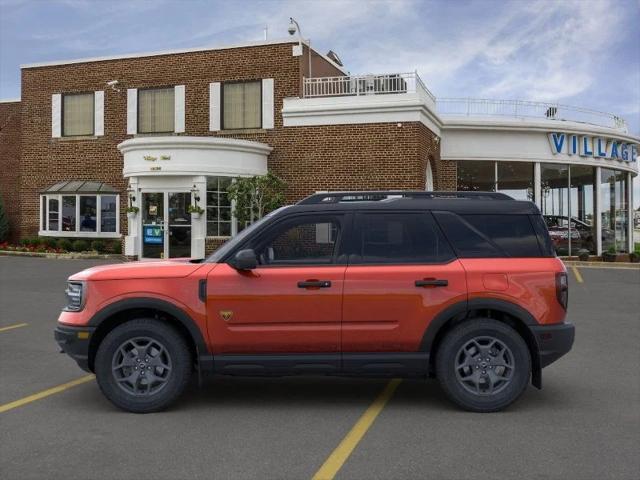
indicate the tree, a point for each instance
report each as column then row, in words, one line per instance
column 256, row 196
column 4, row 223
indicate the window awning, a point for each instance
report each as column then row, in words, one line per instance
column 80, row 186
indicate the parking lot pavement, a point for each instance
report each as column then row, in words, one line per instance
column 584, row 424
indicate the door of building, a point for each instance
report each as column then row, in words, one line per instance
column 166, row 225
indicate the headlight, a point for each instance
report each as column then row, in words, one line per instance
column 75, row 296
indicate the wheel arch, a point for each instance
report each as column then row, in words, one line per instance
column 507, row 312
column 121, row 311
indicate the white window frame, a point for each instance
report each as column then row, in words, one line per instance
column 57, row 128
column 44, row 216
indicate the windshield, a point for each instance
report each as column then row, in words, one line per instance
column 224, row 250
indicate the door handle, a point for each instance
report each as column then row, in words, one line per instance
column 432, row 282
column 315, row 284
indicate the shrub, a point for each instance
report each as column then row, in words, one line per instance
column 65, row 244
column 80, row 246
column 98, row 246
column 30, row 241
column 48, row 242
column 116, row 247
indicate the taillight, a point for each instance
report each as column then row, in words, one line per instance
column 562, row 289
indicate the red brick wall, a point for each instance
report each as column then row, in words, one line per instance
column 10, row 163
column 371, row 156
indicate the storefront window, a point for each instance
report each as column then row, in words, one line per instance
column 218, row 207
column 516, row 179
column 555, row 206
column 614, row 210
column 88, row 214
column 108, row 213
column 582, row 206
column 77, row 215
column 53, row 213
column 476, row 176
column 69, row 213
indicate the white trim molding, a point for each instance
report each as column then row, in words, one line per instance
column 179, row 102
column 391, row 108
column 184, row 155
column 215, row 110
column 132, row 111
column 56, row 115
column 98, row 112
column 267, row 103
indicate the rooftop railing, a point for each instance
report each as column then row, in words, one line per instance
column 398, row 83
column 356, row 85
column 478, row 107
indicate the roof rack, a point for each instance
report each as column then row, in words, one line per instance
column 375, row 195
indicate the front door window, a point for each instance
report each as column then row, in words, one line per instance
column 153, row 225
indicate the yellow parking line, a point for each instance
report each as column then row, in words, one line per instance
column 576, row 272
column 11, row 327
column 45, row 393
column 340, row 455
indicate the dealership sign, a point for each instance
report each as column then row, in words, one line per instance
column 588, row 146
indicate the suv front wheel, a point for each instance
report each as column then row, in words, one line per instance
column 483, row 365
column 143, row 365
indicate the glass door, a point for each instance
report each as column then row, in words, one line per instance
column 179, row 224
column 153, row 225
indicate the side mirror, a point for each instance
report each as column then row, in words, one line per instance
column 244, row 260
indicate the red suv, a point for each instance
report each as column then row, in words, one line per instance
column 460, row 286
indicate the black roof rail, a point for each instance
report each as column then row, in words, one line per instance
column 378, row 195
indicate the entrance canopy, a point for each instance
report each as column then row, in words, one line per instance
column 80, row 186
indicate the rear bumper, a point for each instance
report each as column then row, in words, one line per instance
column 553, row 341
column 74, row 341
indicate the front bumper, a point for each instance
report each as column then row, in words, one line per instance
column 74, row 341
column 553, row 341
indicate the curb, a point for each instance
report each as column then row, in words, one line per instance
column 613, row 265
column 65, row 256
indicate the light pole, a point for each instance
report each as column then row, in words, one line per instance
column 293, row 28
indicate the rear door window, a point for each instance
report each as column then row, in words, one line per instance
column 467, row 240
column 399, row 238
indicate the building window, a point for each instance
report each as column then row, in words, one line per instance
column 614, row 210
column 516, row 179
column 582, row 207
column 242, row 105
column 80, row 215
column 78, row 114
column 219, row 218
column 156, row 110
column 476, row 176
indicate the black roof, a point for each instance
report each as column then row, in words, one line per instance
column 457, row 202
column 80, row 186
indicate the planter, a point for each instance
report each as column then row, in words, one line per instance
column 634, row 257
column 132, row 215
column 583, row 255
column 609, row 257
column 196, row 215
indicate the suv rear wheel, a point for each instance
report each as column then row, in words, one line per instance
column 143, row 365
column 483, row 365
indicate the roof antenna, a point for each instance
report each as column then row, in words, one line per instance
column 266, row 32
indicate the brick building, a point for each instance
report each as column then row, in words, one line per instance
column 160, row 131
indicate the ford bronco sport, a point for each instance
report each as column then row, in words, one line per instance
column 461, row 286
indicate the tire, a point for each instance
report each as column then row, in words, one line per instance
column 471, row 381
column 143, row 365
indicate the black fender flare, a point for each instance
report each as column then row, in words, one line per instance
column 203, row 355
column 461, row 309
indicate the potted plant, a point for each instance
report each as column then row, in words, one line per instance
column 196, row 211
column 132, row 211
column 610, row 255
column 634, row 257
column 583, row 255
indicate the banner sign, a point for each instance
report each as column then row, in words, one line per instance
column 153, row 235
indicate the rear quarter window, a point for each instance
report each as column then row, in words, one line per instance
column 490, row 235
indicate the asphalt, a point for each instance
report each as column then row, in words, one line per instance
column 584, row 424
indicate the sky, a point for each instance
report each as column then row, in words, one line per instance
column 576, row 52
